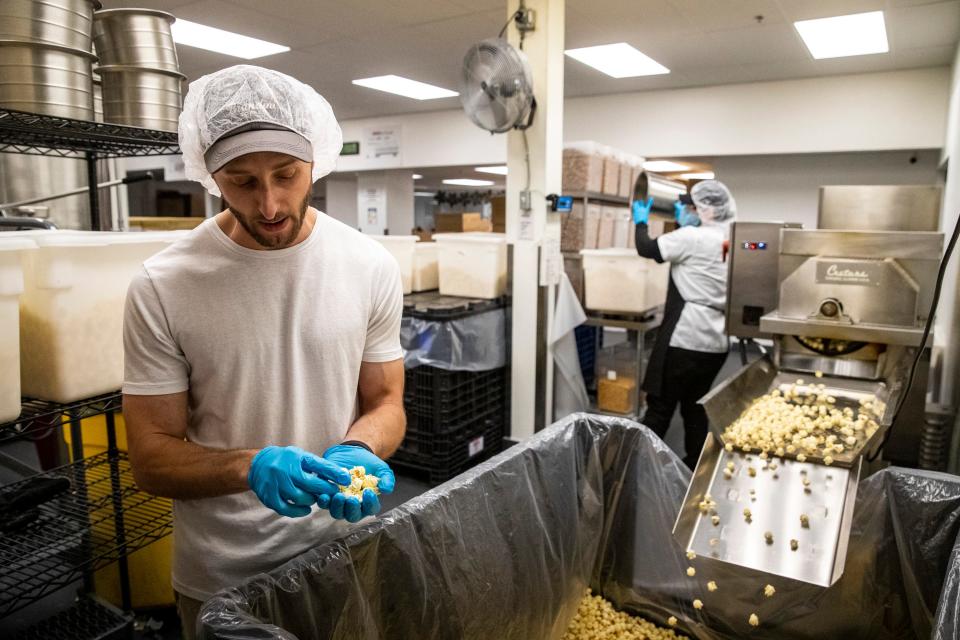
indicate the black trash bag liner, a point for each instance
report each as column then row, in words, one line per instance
column 506, row 550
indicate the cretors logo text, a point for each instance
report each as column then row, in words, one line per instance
column 834, row 271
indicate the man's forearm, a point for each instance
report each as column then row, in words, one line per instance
column 382, row 428
column 183, row 470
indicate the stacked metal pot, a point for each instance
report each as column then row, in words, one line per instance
column 141, row 81
column 45, row 58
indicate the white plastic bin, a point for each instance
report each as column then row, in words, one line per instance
column 472, row 265
column 402, row 248
column 12, row 250
column 620, row 280
column 71, row 311
column 426, row 271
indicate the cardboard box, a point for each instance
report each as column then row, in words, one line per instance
column 607, row 223
column 163, row 223
column 591, row 226
column 611, row 176
column 498, row 216
column 572, row 228
column 621, row 227
column 458, row 222
column 582, row 171
column 626, row 180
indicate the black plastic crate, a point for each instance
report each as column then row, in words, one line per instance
column 439, row 458
column 88, row 619
column 430, row 305
column 440, row 400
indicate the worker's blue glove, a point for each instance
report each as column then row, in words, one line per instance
column 685, row 217
column 641, row 210
column 289, row 479
column 348, row 456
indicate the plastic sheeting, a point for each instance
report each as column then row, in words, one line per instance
column 472, row 343
column 569, row 390
column 506, row 550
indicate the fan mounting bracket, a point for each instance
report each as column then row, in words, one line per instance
column 526, row 19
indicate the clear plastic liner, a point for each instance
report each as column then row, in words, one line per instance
column 472, row 343
column 506, row 550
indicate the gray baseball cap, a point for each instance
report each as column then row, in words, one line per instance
column 254, row 137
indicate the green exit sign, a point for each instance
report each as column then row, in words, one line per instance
column 350, row 149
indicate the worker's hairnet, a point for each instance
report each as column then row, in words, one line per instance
column 714, row 201
column 239, row 96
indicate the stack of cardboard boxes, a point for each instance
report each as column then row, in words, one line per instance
column 601, row 180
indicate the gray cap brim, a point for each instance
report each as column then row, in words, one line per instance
column 279, row 140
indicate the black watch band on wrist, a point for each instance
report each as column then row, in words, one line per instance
column 358, row 443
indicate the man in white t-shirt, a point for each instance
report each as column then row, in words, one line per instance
column 262, row 351
column 691, row 345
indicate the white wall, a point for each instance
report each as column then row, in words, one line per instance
column 948, row 319
column 786, row 187
column 342, row 199
column 876, row 111
column 431, row 139
column 895, row 110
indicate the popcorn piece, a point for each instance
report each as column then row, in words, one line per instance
column 711, row 586
column 754, row 620
column 360, row 480
column 769, row 591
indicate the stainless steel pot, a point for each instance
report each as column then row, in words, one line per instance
column 66, row 23
column 664, row 190
column 47, row 79
column 141, row 97
column 135, row 37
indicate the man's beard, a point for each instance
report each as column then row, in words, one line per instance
column 273, row 241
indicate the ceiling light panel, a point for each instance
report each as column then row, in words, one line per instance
column 405, row 87
column 228, row 43
column 468, row 182
column 853, row 35
column 500, row 170
column 700, row 175
column 619, row 60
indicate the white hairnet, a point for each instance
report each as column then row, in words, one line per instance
column 714, row 201
column 222, row 101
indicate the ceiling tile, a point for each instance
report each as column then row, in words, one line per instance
column 709, row 16
column 929, row 25
column 809, row 9
column 755, row 45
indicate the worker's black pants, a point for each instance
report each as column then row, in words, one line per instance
column 687, row 377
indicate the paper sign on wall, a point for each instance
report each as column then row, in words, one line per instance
column 382, row 143
column 372, row 210
column 551, row 260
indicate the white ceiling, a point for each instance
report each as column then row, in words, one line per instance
column 702, row 42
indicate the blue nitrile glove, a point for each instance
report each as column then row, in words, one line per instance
column 289, row 479
column 685, row 217
column 641, row 210
column 347, row 508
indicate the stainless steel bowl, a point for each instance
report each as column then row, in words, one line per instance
column 65, row 23
column 135, row 37
column 141, row 97
column 47, row 79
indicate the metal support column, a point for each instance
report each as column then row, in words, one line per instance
column 92, row 190
column 534, row 232
column 116, row 494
